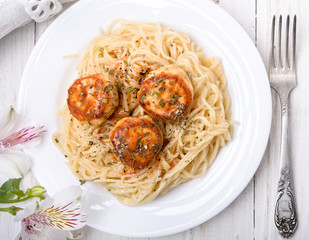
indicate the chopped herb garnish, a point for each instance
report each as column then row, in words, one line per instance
column 189, row 74
column 82, row 182
column 101, row 49
column 145, row 70
column 161, row 103
column 158, row 94
column 107, row 88
column 140, row 144
column 137, row 78
column 143, row 97
column 158, row 82
column 172, row 101
column 117, row 119
column 110, row 72
column 182, row 106
column 130, row 89
column 105, row 136
column 119, row 85
column 104, row 100
column 151, row 92
column 127, row 63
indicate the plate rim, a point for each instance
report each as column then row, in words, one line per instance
column 66, row 14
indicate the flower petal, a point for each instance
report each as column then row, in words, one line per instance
column 13, row 164
column 11, row 123
column 19, row 138
column 31, row 230
column 14, row 134
column 65, row 211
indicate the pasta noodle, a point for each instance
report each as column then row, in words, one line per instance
column 190, row 145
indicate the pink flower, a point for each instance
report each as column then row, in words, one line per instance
column 14, row 163
column 54, row 217
column 13, row 132
column 22, row 136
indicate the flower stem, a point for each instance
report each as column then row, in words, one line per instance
column 12, row 210
column 16, row 200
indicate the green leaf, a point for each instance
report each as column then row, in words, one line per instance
column 11, row 184
column 7, row 188
column 18, row 193
column 16, row 184
column 10, row 192
column 12, row 210
column 4, row 196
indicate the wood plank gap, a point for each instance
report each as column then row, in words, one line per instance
column 35, row 31
column 254, row 179
column 255, row 24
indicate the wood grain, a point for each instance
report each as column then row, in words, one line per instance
column 250, row 216
column 267, row 175
column 15, row 49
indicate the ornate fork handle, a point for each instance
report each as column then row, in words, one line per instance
column 285, row 211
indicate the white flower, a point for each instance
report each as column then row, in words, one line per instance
column 14, row 163
column 54, row 218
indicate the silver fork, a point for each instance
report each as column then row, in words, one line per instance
column 282, row 72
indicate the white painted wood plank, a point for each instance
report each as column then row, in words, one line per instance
column 243, row 12
column 268, row 173
column 15, row 49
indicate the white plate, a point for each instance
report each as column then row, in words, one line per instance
column 47, row 77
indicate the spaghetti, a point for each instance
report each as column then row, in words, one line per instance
column 191, row 145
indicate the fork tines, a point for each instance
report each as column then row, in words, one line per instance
column 288, row 59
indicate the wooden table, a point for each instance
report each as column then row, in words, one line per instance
column 250, row 216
